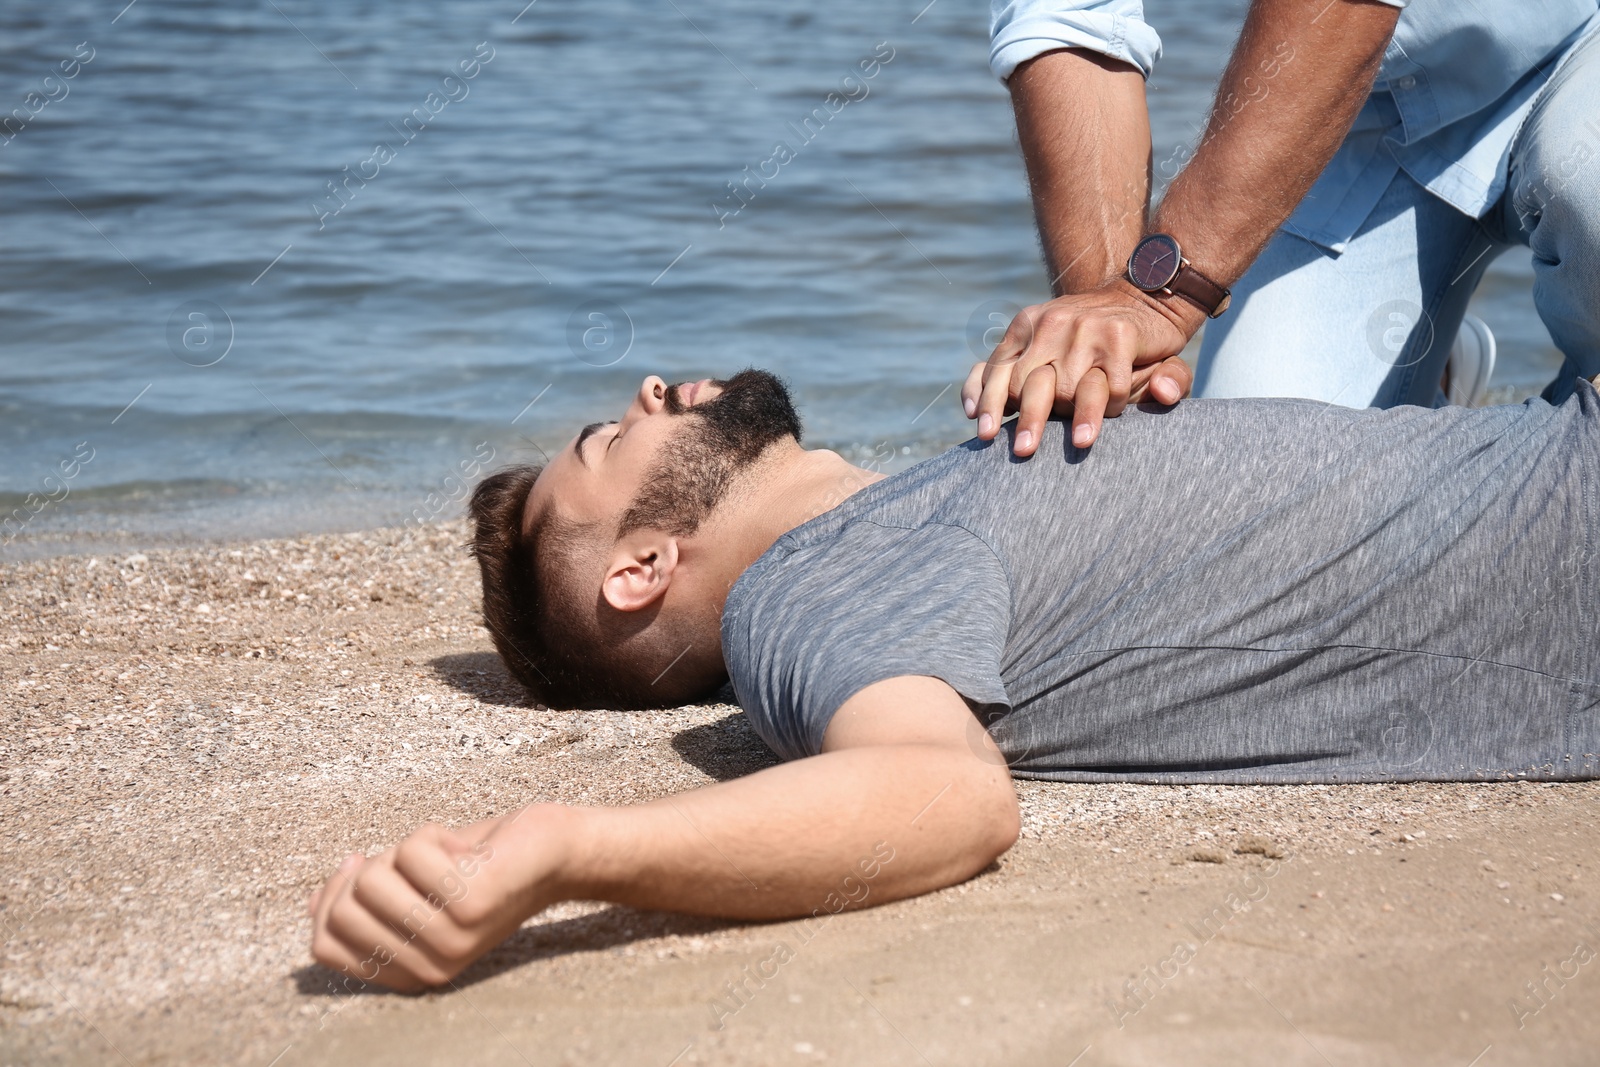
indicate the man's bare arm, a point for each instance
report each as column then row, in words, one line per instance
column 1297, row 79
column 909, row 795
column 1090, row 203
column 1294, row 85
column 1085, row 133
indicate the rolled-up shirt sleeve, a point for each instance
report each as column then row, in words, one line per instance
column 1019, row 30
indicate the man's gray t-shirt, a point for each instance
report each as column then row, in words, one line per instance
column 1226, row 591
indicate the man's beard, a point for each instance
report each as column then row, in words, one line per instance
column 717, row 440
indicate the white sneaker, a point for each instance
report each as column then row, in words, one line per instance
column 1471, row 363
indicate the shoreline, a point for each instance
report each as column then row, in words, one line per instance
column 195, row 736
column 174, row 515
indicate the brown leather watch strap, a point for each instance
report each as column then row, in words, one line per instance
column 1200, row 291
column 1158, row 265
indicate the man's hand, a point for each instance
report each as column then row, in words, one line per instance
column 417, row 915
column 909, row 795
column 1088, row 353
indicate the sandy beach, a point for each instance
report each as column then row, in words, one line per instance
column 194, row 738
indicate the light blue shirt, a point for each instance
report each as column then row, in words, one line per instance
column 1456, row 83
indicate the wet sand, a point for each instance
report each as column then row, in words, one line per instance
column 193, row 738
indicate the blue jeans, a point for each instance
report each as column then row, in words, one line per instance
column 1372, row 326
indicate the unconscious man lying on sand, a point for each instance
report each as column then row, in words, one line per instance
column 1228, row 591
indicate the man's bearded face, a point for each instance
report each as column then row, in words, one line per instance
column 718, row 438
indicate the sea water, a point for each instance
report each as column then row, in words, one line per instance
column 282, row 267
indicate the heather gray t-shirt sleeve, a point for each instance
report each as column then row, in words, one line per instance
column 932, row 600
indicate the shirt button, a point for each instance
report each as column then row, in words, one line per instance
column 1407, row 82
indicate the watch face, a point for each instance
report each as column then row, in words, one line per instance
column 1155, row 262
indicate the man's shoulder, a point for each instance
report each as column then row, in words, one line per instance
column 859, row 556
column 863, row 583
column 810, row 624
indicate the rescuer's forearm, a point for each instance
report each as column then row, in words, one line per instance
column 1295, row 83
column 1085, row 134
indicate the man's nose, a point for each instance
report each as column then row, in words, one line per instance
column 651, row 398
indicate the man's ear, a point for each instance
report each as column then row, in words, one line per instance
column 640, row 570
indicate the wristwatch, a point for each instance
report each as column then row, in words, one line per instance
column 1157, row 266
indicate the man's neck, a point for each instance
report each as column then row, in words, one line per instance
column 786, row 487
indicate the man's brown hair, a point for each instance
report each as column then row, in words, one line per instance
column 552, row 630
